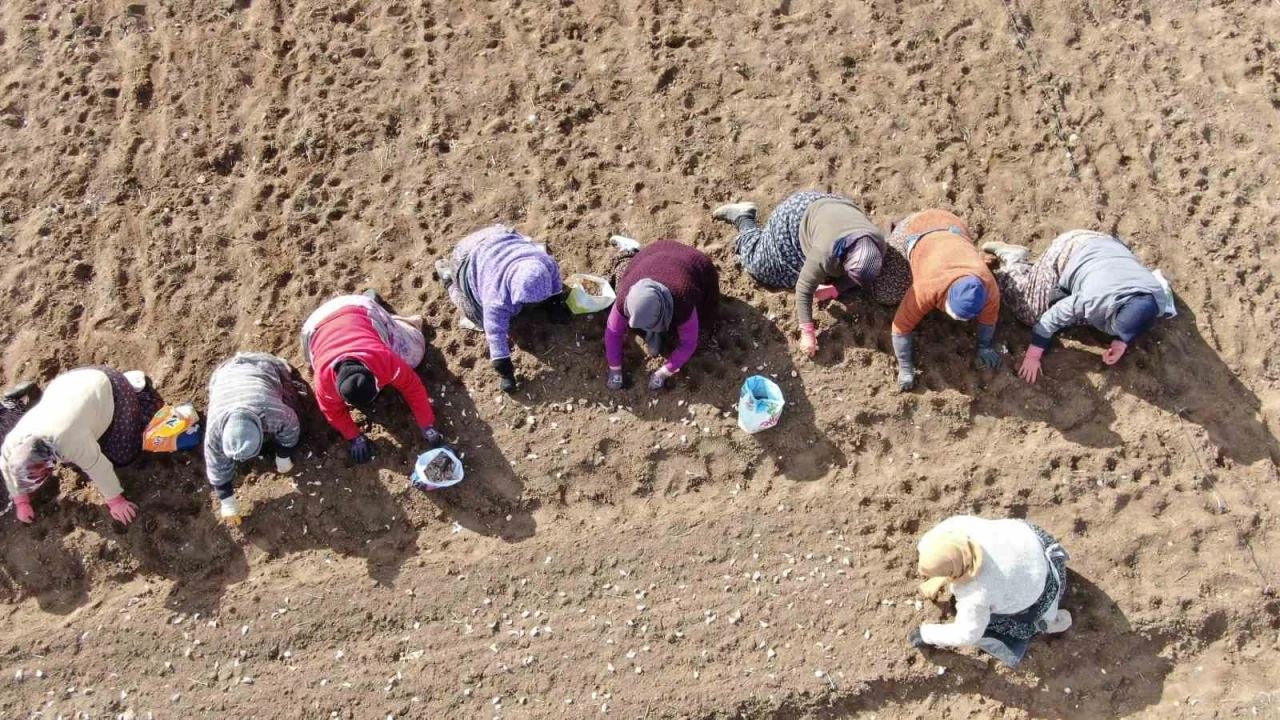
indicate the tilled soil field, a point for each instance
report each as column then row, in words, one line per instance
column 182, row 179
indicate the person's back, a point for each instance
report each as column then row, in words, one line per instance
column 347, row 332
column 940, row 258
column 685, row 271
column 1104, row 273
column 243, row 376
column 78, row 402
column 1013, row 563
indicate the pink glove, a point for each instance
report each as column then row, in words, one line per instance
column 825, row 293
column 26, row 513
column 122, row 510
column 1030, row 369
column 809, row 339
column 1115, row 352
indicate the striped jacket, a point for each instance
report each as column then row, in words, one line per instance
column 257, row 382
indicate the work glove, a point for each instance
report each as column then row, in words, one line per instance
column 557, row 309
column 507, row 371
column 230, row 511
column 22, row 506
column 616, row 379
column 433, row 437
column 361, row 450
column 1115, row 352
column 122, row 510
column 659, row 378
column 284, row 458
column 988, row 358
column 1030, row 369
column 906, row 365
column 915, row 639
column 809, row 339
column 825, row 293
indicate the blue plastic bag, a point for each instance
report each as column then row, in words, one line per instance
column 759, row 404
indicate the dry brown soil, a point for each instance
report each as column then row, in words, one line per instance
column 181, row 179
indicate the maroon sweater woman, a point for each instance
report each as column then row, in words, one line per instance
column 666, row 286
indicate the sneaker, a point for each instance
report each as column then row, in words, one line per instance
column 26, row 391
column 1060, row 623
column 733, row 212
column 1007, row 252
column 444, row 271
column 625, row 245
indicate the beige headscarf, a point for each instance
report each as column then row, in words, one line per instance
column 947, row 558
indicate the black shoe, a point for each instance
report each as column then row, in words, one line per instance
column 374, row 296
column 25, row 392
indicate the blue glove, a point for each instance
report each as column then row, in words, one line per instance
column 988, row 358
column 361, row 450
column 906, row 365
column 433, row 437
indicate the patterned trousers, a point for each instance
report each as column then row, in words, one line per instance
column 1028, row 288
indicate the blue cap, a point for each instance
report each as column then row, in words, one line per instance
column 966, row 297
column 1136, row 316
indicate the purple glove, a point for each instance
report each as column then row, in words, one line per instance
column 433, row 437
column 361, row 450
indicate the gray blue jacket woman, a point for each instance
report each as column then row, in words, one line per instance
column 1084, row 278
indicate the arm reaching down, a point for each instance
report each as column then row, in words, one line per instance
column 497, row 329
column 988, row 356
column 811, row 276
column 335, row 410
column 971, row 621
column 410, row 386
column 910, row 312
column 688, row 344
column 1067, row 312
column 615, row 334
column 84, row 453
column 903, row 350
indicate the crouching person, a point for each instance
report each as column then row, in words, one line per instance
column 93, row 418
column 253, row 403
column 1007, row 578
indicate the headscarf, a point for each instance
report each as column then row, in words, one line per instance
column 862, row 258
column 650, row 309
column 531, row 279
column 947, row 558
column 966, row 297
column 356, row 384
column 242, row 435
column 1136, row 316
column 30, row 462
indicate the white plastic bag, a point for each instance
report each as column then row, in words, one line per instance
column 581, row 302
column 419, row 478
column 760, row 404
column 1167, row 309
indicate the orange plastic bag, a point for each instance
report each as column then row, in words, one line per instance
column 172, row 428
